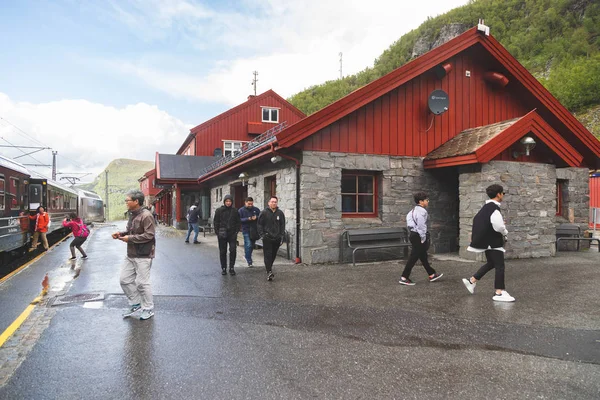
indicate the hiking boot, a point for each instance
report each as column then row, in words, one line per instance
column 504, row 296
column 406, row 281
column 231, row 271
column 435, row 277
column 146, row 314
column 270, row 275
column 224, row 271
column 130, row 310
column 470, row 286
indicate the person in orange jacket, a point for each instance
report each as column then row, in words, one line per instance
column 42, row 219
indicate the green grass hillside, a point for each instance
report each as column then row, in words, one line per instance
column 558, row 41
column 123, row 175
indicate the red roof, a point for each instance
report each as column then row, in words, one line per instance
column 368, row 93
column 235, row 109
column 482, row 144
column 312, row 124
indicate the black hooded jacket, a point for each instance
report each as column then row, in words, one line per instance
column 227, row 221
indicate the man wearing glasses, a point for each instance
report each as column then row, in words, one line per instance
column 488, row 235
column 135, row 272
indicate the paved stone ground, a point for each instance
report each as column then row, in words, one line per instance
column 326, row 331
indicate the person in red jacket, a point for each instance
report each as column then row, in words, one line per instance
column 42, row 219
column 80, row 234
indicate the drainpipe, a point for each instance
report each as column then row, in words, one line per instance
column 297, row 261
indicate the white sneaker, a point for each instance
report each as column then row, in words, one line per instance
column 470, row 286
column 504, row 296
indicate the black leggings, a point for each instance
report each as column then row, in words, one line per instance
column 495, row 260
column 77, row 242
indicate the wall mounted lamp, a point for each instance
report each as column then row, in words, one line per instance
column 244, row 178
column 528, row 144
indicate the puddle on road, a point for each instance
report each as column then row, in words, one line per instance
column 93, row 304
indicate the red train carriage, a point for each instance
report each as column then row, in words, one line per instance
column 14, row 206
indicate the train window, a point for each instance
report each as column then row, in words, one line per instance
column 59, row 200
column 14, row 193
column 35, row 196
column 2, row 193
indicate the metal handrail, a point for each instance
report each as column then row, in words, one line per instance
column 248, row 147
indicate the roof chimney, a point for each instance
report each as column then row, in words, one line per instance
column 251, row 96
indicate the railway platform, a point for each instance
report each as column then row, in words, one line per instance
column 325, row 331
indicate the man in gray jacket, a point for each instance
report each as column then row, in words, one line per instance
column 141, row 243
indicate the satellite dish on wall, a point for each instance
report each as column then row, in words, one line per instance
column 218, row 152
column 438, row 102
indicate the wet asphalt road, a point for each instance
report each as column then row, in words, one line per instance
column 328, row 331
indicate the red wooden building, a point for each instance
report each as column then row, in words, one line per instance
column 147, row 182
column 356, row 162
column 222, row 136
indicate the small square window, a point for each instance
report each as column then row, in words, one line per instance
column 231, row 149
column 270, row 115
column 359, row 194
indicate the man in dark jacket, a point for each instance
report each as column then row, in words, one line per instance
column 488, row 235
column 227, row 225
column 135, row 272
column 249, row 216
column 193, row 217
column 271, row 227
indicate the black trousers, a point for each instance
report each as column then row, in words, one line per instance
column 495, row 260
column 418, row 252
column 270, row 248
column 232, row 242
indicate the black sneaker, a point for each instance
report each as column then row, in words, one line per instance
column 187, row 241
column 406, row 281
column 435, row 277
column 224, row 271
column 196, row 242
column 73, row 258
column 270, row 275
column 231, row 271
column 84, row 257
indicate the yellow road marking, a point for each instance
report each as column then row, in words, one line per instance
column 22, row 267
column 16, row 324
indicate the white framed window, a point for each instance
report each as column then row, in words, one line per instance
column 231, row 148
column 270, row 114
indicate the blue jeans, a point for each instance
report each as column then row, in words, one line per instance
column 195, row 228
column 248, row 247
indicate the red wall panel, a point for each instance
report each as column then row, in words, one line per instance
column 398, row 122
column 234, row 127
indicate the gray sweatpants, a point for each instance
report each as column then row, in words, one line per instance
column 135, row 281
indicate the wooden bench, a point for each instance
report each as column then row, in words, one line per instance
column 206, row 226
column 572, row 232
column 376, row 238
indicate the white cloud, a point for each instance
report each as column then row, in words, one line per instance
column 293, row 44
column 88, row 135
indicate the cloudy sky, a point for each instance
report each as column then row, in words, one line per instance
column 106, row 79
